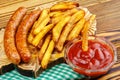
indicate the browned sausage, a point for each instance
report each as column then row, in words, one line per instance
column 21, row 35
column 9, row 35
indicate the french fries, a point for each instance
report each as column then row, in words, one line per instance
column 44, row 47
column 58, row 28
column 41, row 34
column 55, row 26
column 75, row 18
column 64, row 6
column 47, row 55
column 43, row 15
column 85, row 36
column 76, row 30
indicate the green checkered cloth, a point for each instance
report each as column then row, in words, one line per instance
column 58, row 72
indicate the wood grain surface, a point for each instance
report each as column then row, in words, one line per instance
column 108, row 21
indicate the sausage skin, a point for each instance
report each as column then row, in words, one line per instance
column 9, row 35
column 22, row 32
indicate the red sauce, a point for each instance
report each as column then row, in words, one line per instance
column 98, row 56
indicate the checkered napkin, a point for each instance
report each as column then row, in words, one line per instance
column 58, row 72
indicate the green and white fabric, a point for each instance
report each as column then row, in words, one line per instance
column 58, row 72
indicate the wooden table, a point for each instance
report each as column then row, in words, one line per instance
column 108, row 19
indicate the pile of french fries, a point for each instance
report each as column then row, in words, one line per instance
column 56, row 26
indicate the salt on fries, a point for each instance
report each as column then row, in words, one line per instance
column 61, row 23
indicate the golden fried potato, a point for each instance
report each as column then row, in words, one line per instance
column 64, row 6
column 70, row 12
column 92, row 29
column 42, row 16
column 85, row 36
column 92, row 19
column 47, row 55
column 44, row 47
column 76, row 30
column 58, row 28
column 41, row 34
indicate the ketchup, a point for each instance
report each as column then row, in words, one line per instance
column 98, row 56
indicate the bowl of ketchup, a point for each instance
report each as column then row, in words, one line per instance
column 96, row 61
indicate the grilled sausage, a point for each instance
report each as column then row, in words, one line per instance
column 9, row 35
column 21, row 35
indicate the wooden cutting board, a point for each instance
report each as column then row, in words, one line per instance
column 108, row 21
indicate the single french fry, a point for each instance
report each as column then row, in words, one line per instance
column 85, row 36
column 58, row 28
column 75, row 18
column 41, row 34
column 92, row 19
column 44, row 47
column 64, row 6
column 47, row 55
column 76, row 30
column 43, row 15
column 41, row 25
